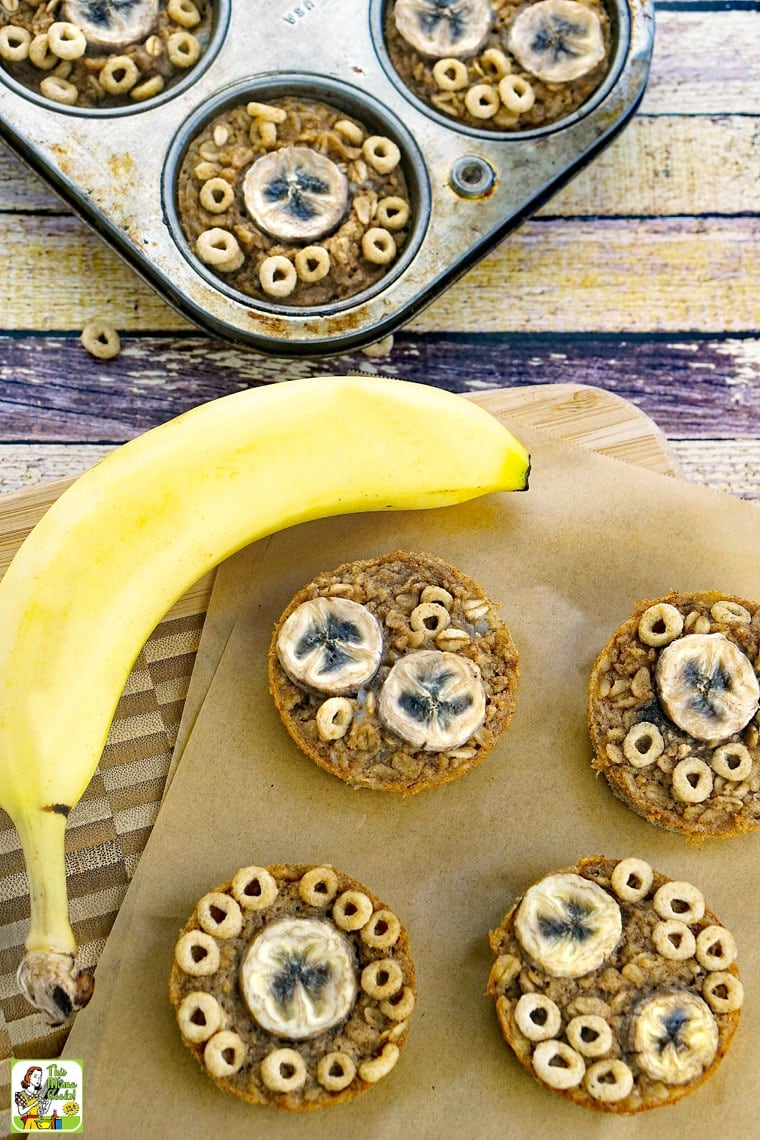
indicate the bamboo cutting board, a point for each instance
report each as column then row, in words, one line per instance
column 109, row 828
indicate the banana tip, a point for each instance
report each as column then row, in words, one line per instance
column 52, row 983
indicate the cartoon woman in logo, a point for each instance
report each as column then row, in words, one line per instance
column 31, row 1102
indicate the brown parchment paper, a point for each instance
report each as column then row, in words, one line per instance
column 567, row 561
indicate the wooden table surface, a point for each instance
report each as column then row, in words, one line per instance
column 642, row 277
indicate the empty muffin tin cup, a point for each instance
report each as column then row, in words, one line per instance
column 296, row 193
column 102, row 58
column 516, row 70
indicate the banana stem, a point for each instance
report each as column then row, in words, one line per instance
column 48, row 975
column 42, row 835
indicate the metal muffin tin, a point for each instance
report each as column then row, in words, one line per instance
column 470, row 188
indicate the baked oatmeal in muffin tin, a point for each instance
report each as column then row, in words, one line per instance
column 159, row 72
column 103, row 53
column 293, row 986
column 500, row 65
column 674, row 716
column 294, row 201
column 394, row 673
column 615, row 986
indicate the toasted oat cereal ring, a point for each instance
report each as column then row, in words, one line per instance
column 378, row 1067
column 40, row 54
column 723, row 992
column 378, row 246
column 183, row 12
column 517, row 94
column 673, row 939
column 677, row 669
column 319, row 886
column 399, row 1006
column 430, row 617
column 216, row 195
column 537, row 1017
column 278, row 276
column 731, row 611
column 660, row 624
column 450, row 74
column 609, row 1081
column 382, row 930
column 183, row 49
column 100, row 340
column 199, row 1016
column 224, row 1054
column 118, row 74
column 482, row 100
column 350, row 131
column 641, row 1028
column 679, row 900
column 283, row 1071
column 312, row 263
column 715, row 948
column 14, row 43
column 382, row 978
column 59, row 90
column 197, row 954
column 352, row 910
column 494, row 63
column 381, row 153
column 643, row 744
column 589, row 1034
column 732, row 761
column 558, row 1065
column 254, row 888
column 147, row 90
column 334, row 717
column 631, row 879
column 219, row 249
column 392, row 214
column 336, row 1071
column 219, row 915
column 284, row 1020
column 692, row 780
column 66, row 40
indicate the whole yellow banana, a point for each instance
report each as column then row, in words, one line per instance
column 129, row 537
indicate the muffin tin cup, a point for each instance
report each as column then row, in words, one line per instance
column 189, row 78
column 469, row 188
column 342, row 97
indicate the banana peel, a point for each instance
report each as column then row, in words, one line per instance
column 131, row 535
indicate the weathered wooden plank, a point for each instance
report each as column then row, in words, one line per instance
column 650, row 169
column 730, row 466
column 724, row 465
column 704, row 62
column 551, row 275
column 51, row 390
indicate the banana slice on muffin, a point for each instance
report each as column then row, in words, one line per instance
column 394, row 673
column 615, row 986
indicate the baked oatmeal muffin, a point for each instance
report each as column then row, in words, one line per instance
column 615, row 986
column 293, row 986
column 500, row 65
column 292, row 201
column 394, row 673
column 673, row 713
column 103, row 53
